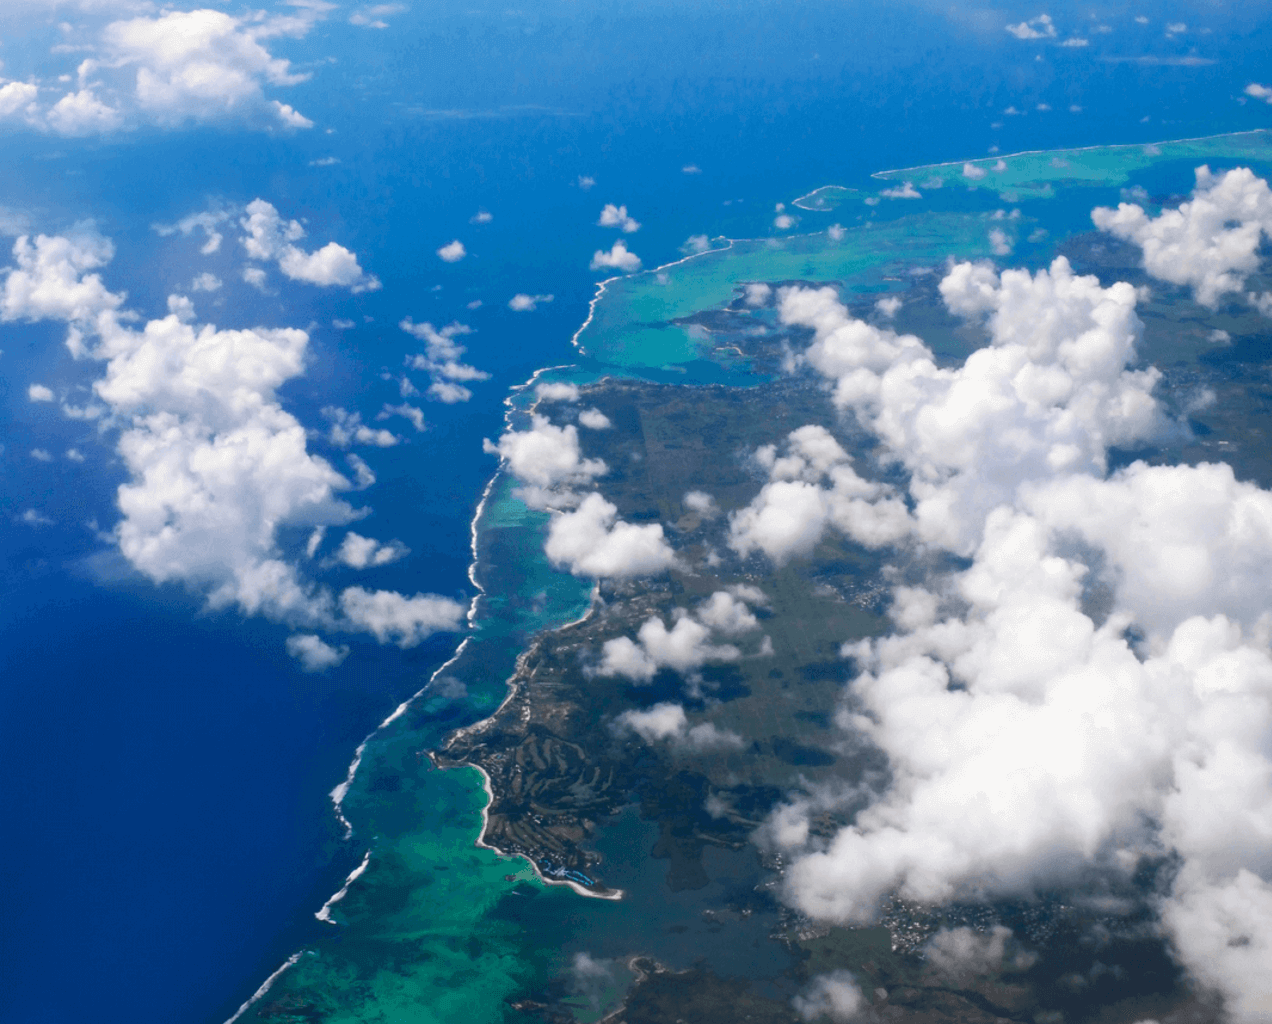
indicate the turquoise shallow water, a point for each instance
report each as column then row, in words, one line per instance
column 436, row 929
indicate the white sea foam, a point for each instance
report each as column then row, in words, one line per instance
column 325, row 913
column 265, row 987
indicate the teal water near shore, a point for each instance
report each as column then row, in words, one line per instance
column 437, row 929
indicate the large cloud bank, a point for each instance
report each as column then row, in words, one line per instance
column 1031, row 740
column 216, row 467
column 168, row 69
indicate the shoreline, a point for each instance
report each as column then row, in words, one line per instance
column 481, row 844
column 341, row 790
column 1066, row 149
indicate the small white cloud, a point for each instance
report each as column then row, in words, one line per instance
column 758, row 293
column 289, row 115
column 74, row 454
column 783, row 222
column 205, row 282
column 904, row 191
column 475, row 304
column 34, row 518
column 999, row 242
column 618, row 258
column 556, row 391
column 271, row 238
column 835, row 997
column 696, row 243
column 617, row 217
column 973, row 172
column 691, row 169
column 481, row 217
column 1259, row 92
column 39, row 393
column 442, row 360
column 702, row 503
column 594, row 419
column 448, row 392
column 586, row 182
column 406, row 621
column 593, row 541
column 313, row 654
column 668, row 722
column 1141, row 19
column 1076, row 41
column 453, row 252
column 325, row 161
column 347, row 428
column 17, row 98
column 362, row 477
column 888, row 306
column 836, row 232
column 360, row 552
column 1044, row 107
column 41, row 455
column 1040, row 27
column 523, row 303
column 408, row 412
column 374, row 15
column 1176, row 27
column 206, row 220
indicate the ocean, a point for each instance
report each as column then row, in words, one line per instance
column 171, row 834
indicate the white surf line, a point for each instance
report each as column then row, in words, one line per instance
column 265, row 987
column 341, row 791
column 1068, row 149
column 813, row 209
column 613, row 894
column 325, row 913
column 600, row 287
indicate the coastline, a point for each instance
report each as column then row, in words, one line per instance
column 1066, row 149
column 266, row 985
column 602, row 285
column 610, row 894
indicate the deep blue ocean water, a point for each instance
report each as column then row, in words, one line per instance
column 169, row 833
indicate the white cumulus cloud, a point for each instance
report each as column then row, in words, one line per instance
column 270, row 238
column 1210, row 243
column 593, row 541
column 617, row 217
column 668, row 722
column 792, row 511
column 452, row 252
column 523, row 303
column 618, row 258
column 1000, row 670
column 313, row 653
column 215, row 467
column 406, row 621
column 1040, row 27
column 360, row 552
column 548, row 462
